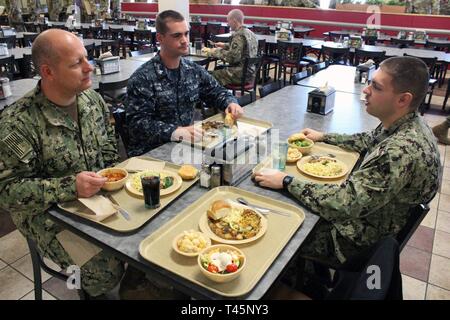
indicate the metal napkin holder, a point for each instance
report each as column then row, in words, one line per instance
column 321, row 101
column 109, row 65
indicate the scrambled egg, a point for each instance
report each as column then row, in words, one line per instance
column 323, row 168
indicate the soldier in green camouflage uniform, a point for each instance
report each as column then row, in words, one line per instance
column 162, row 93
column 52, row 141
column 400, row 170
column 242, row 44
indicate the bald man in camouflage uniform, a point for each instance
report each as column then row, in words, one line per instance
column 52, row 141
column 162, row 93
column 242, row 44
column 400, row 170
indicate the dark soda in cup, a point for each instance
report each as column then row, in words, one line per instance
column 150, row 188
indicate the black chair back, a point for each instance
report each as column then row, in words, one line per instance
column 28, row 69
column 370, row 40
column 299, row 76
column 335, row 55
column 269, row 88
column 143, row 39
column 38, row 263
column 111, row 45
column 212, row 28
column 416, row 215
column 402, row 43
column 119, row 115
column 9, row 40
column 363, row 55
column 372, row 275
column 90, row 48
column 28, row 39
column 8, row 67
column 196, row 31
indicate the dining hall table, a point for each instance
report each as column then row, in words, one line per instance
column 392, row 51
column 291, row 101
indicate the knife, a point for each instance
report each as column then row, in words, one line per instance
column 116, row 205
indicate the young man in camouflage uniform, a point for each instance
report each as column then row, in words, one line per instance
column 52, row 141
column 162, row 93
column 400, row 170
column 243, row 44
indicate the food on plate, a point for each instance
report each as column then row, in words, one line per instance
column 221, row 261
column 187, row 172
column 166, row 181
column 324, row 167
column 192, row 242
column 212, row 125
column 229, row 120
column 233, row 223
column 293, row 154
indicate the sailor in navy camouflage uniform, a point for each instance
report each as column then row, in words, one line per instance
column 162, row 93
column 400, row 170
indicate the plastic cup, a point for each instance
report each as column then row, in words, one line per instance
column 151, row 190
column 279, row 155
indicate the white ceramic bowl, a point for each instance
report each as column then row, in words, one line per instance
column 222, row 277
column 114, row 185
column 185, row 249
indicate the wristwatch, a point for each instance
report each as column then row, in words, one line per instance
column 287, row 181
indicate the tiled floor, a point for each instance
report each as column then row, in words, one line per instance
column 424, row 262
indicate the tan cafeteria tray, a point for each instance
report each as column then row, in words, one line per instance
column 250, row 126
column 133, row 205
column 157, row 248
column 321, row 149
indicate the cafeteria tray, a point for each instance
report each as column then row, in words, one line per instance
column 133, row 205
column 349, row 158
column 260, row 254
column 245, row 127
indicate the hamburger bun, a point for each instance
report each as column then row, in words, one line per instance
column 219, row 209
column 296, row 136
column 187, row 172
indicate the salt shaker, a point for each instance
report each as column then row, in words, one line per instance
column 205, row 176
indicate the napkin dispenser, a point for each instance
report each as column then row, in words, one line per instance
column 283, row 34
column 364, row 73
column 236, row 157
column 321, row 100
column 108, row 65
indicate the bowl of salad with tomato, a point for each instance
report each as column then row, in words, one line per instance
column 221, row 262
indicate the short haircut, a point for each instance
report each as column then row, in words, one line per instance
column 237, row 15
column 163, row 17
column 43, row 52
column 409, row 74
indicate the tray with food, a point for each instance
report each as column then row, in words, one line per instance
column 221, row 127
column 324, row 163
column 237, row 256
column 120, row 205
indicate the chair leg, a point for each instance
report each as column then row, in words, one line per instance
column 35, row 260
